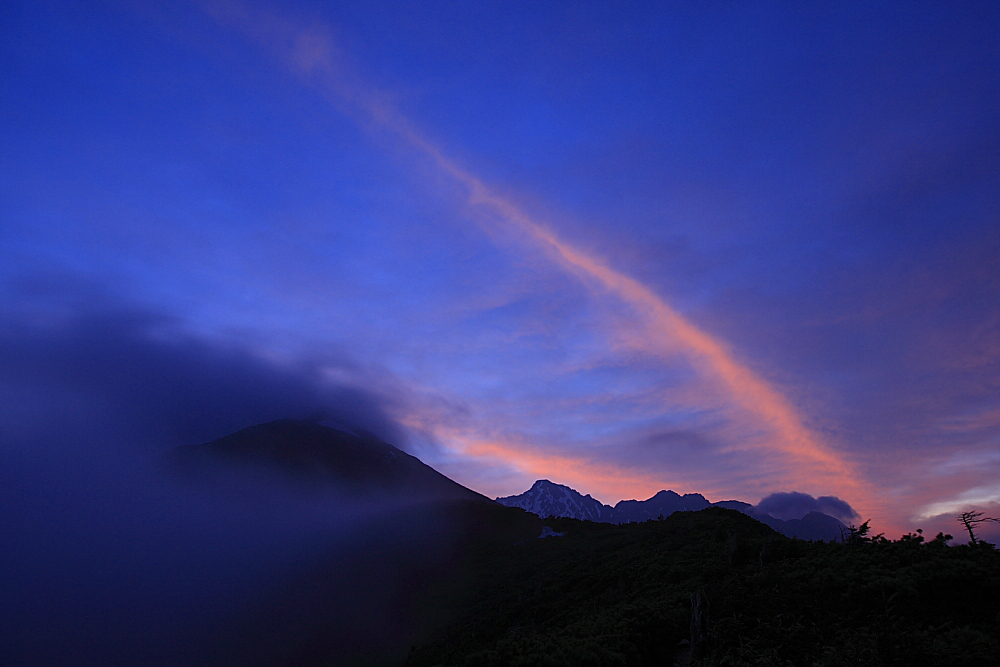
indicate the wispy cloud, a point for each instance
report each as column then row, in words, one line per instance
column 656, row 328
column 979, row 496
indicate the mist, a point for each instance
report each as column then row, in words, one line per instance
column 107, row 559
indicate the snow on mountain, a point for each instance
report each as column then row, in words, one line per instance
column 546, row 499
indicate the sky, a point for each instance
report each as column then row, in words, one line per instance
column 735, row 249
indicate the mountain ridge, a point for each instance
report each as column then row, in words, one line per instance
column 321, row 457
column 360, row 464
column 548, row 499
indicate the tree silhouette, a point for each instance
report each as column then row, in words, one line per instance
column 855, row 535
column 970, row 520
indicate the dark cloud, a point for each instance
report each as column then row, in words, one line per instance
column 134, row 372
column 795, row 505
column 105, row 560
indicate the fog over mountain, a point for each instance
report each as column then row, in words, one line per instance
column 104, row 559
column 356, row 464
column 291, row 291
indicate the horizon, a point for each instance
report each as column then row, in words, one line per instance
column 737, row 252
column 783, row 506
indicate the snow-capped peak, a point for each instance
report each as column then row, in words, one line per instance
column 546, row 499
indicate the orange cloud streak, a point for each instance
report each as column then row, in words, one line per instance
column 311, row 53
column 594, row 477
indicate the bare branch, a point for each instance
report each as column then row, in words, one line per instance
column 971, row 519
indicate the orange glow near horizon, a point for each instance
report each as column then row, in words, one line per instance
column 596, row 478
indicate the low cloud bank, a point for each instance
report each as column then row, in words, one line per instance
column 104, row 560
column 794, row 505
column 130, row 372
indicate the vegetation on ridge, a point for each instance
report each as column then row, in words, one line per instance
column 623, row 595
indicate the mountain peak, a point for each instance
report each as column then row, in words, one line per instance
column 319, row 456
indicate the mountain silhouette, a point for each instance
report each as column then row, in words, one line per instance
column 663, row 503
column 359, row 463
column 546, row 499
column 319, row 456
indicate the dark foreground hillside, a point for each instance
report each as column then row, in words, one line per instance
column 394, row 583
column 624, row 595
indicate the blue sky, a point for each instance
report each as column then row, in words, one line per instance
column 732, row 250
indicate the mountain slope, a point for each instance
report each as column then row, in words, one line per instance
column 316, row 455
column 813, row 526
